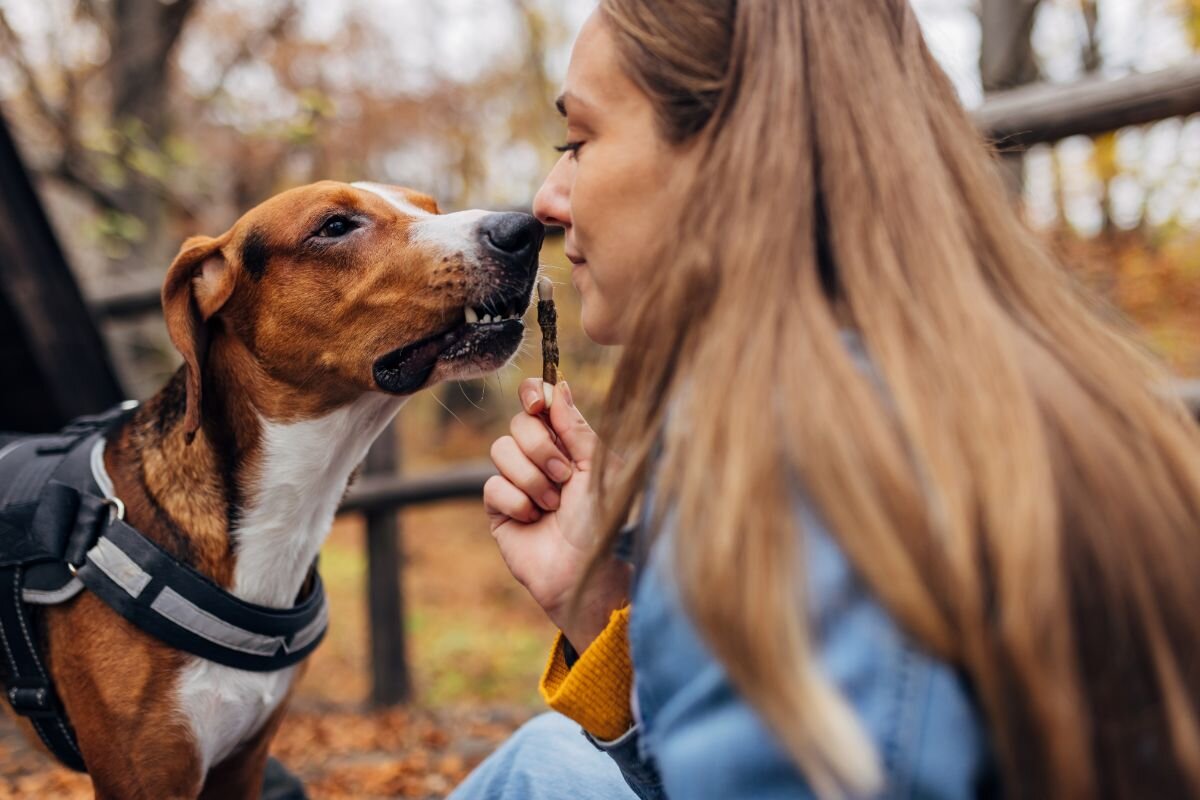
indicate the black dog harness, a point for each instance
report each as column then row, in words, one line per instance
column 62, row 530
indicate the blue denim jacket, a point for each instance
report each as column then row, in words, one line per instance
column 695, row 738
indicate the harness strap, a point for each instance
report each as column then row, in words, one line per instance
column 60, row 531
column 41, row 521
column 29, row 690
column 147, row 586
column 186, row 610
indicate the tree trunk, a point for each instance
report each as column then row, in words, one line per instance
column 1092, row 61
column 143, row 36
column 1006, row 61
column 144, row 33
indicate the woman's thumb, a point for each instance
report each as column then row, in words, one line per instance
column 533, row 398
column 572, row 429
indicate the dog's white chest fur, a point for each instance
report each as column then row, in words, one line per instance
column 227, row 706
column 304, row 470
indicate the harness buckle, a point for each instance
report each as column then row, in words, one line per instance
column 116, row 509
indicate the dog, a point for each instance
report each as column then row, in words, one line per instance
column 303, row 330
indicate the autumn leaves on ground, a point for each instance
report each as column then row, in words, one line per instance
column 476, row 645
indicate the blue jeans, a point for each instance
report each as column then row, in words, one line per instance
column 547, row 759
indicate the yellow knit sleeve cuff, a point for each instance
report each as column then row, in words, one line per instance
column 595, row 691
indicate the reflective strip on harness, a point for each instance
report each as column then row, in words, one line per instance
column 188, row 615
column 186, row 610
column 120, row 568
column 40, row 597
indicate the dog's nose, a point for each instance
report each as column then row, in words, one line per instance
column 512, row 236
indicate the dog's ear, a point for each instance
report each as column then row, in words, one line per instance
column 197, row 285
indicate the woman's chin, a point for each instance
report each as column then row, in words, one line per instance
column 603, row 333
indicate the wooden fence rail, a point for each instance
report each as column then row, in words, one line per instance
column 376, row 492
column 1046, row 113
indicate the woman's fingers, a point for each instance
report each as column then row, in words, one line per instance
column 577, row 438
column 523, row 473
column 536, row 442
column 502, row 499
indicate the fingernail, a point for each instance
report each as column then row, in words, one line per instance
column 550, row 501
column 566, row 390
column 530, row 399
column 559, row 469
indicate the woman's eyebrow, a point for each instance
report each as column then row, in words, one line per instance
column 574, row 100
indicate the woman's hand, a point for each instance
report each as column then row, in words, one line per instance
column 541, row 512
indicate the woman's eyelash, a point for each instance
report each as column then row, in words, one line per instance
column 569, row 147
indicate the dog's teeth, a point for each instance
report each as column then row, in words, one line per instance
column 472, row 317
column 486, row 318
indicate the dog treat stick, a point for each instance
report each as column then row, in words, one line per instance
column 548, row 322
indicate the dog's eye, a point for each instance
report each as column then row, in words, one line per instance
column 336, row 228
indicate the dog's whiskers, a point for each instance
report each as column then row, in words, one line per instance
column 449, row 411
column 462, row 388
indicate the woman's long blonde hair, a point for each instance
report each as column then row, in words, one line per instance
column 1011, row 484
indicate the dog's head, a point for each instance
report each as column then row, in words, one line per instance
column 338, row 289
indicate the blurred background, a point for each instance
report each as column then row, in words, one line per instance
column 142, row 122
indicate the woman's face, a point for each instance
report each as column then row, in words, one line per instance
column 613, row 188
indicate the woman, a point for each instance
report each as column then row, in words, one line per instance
column 914, row 519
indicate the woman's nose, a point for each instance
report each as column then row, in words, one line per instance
column 552, row 203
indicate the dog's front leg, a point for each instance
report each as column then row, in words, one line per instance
column 132, row 759
column 118, row 686
column 134, row 768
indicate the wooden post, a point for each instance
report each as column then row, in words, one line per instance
column 391, row 682
column 1006, row 57
column 1006, row 61
column 54, row 363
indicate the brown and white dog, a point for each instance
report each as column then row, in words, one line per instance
column 303, row 330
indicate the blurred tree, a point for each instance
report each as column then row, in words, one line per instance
column 1006, row 60
column 1121, row 198
column 1190, row 12
column 1006, row 56
column 97, row 110
column 142, row 35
